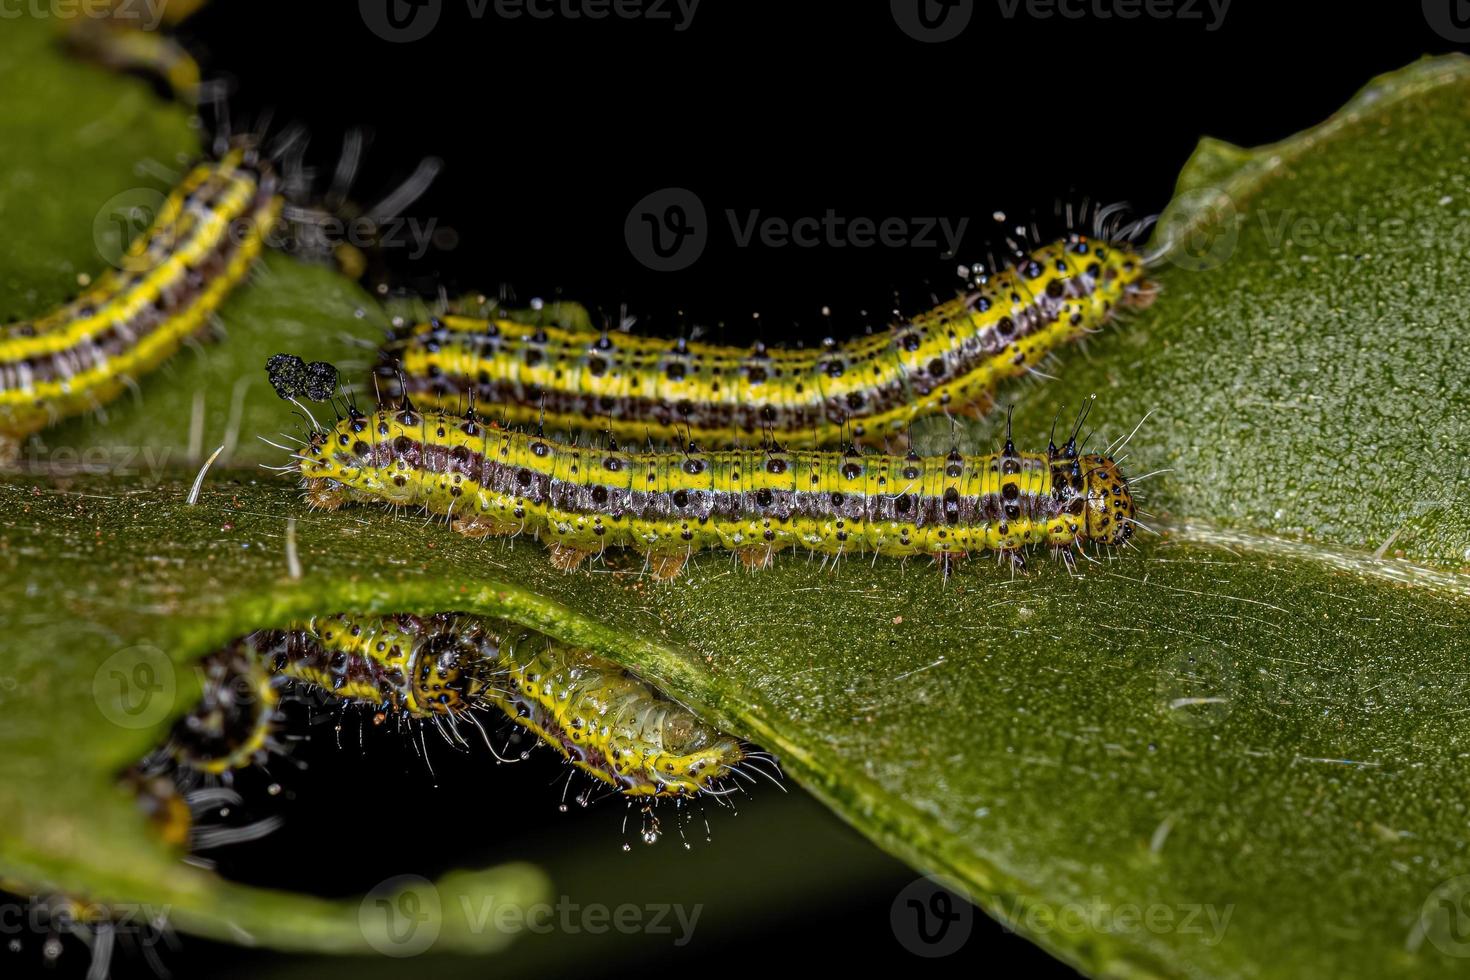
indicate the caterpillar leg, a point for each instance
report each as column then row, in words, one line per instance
column 350, row 260
column 756, row 557
column 971, row 405
column 566, row 558
column 947, row 562
column 1069, row 558
column 1142, row 295
column 324, row 494
column 666, row 567
column 897, row 443
column 480, row 526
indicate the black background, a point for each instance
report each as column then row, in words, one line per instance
column 551, row 130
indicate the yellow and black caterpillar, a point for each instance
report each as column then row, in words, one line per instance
column 127, row 36
column 440, row 669
column 81, row 356
column 581, row 500
column 949, row 360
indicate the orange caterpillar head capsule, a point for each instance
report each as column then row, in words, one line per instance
column 1110, row 508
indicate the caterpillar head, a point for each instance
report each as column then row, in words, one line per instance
column 695, row 757
column 449, row 673
column 704, row 769
column 1110, row 508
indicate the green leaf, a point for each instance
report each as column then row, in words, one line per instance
column 1236, row 751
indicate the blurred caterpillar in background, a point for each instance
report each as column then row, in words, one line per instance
column 171, row 280
column 128, row 36
column 199, row 247
column 949, row 360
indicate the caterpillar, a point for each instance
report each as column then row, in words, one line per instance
column 234, row 722
column 125, row 36
column 416, row 667
column 869, row 389
column 609, row 723
column 84, row 354
column 606, row 722
column 581, row 500
column 439, row 668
